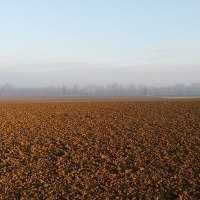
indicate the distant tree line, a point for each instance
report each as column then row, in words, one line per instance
column 112, row 89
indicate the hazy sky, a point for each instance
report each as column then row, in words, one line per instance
column 67, row 42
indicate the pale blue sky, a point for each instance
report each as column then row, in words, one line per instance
column 67, row 42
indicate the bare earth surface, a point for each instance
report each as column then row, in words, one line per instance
column 130, row 149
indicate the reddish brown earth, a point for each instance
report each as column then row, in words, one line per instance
column 131, row 149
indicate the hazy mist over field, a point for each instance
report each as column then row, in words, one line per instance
column 154, row 43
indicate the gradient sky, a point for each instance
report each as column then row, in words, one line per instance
column 68, row 42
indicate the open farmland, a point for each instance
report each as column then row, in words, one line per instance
column 130, row 149
column 49, row 98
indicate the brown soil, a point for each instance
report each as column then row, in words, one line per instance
column 141, row 149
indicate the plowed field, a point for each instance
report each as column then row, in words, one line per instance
column 141, row 149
